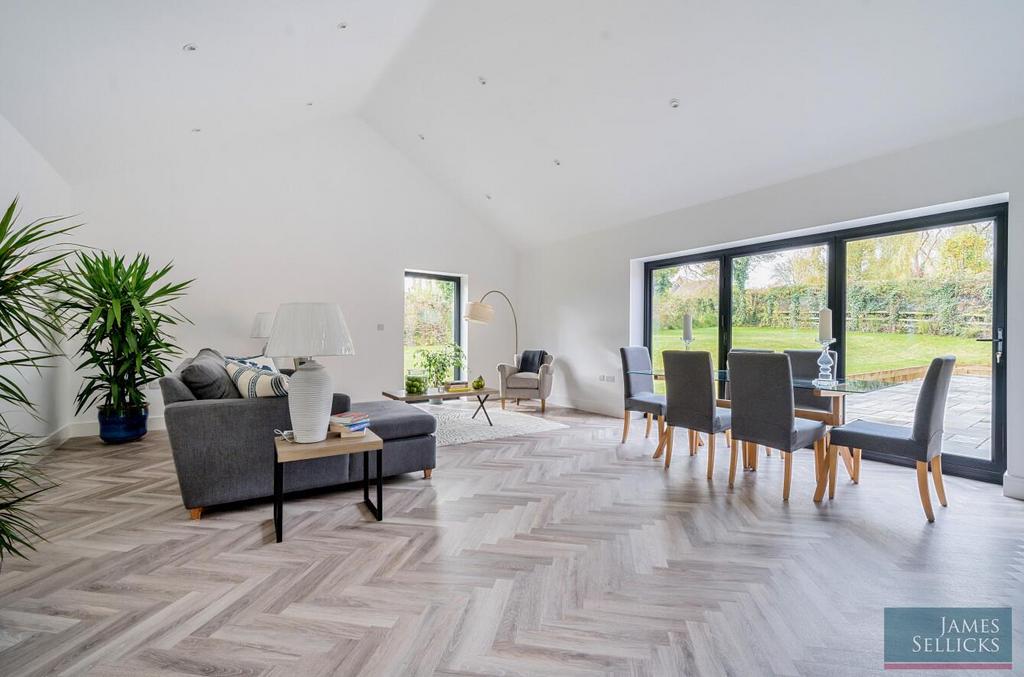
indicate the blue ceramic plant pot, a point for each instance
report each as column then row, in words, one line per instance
column 119, row 428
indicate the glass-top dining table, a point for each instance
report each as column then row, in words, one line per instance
column 836, row 391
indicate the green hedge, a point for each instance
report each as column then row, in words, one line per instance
column 944, row 307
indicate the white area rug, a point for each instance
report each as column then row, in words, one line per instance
column 455, row 425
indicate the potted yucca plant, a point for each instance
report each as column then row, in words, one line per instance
column 122, row 310
column 30, row 259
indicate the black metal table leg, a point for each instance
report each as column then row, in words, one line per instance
column 279, row 500
column 480, row 407
column 378, row 509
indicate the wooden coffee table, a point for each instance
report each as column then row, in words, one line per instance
column 291, row 452
column 481, row 396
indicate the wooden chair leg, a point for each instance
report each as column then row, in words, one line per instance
column 922, row 488
column 690, row 441
column 753, row 457
column 711, row 455
column 833, row 470
column 856, row 466
column 767, row 451
column 625, row 423
column 661, row 437
column 650, row 420
column 817, row 461
column 940, row 489
column 787, row 456
column 848, row 461
column 195, row 513
column 728, row 438
column 823, row 472
column 503, row 404
column 670, row 433
column 427, row 472
column 544, row 404
column 700, row 440
column 733, row 453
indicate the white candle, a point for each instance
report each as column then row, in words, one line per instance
column 687, row 327
column 824, row 325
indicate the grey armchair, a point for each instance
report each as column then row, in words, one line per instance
column 525, row 385
column 921, row 442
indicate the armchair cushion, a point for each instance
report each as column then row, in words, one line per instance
column 524, row 379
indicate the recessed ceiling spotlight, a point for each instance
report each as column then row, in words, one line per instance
column 196, row 130
column 487, row 195
column 482, row 80
column 422, row 138
column 558, row 163
column 190, row 47
column 342, row 26
column 674, row 103
column 309, row 103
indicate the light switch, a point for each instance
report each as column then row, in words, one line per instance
column 380, row 327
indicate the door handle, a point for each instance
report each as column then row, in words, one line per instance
column 998, row 340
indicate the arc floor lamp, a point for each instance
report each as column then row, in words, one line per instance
column 482, row 313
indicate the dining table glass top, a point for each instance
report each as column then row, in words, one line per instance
column 843, row 385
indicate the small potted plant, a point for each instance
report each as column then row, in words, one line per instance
column 439, row 363
column 122, row 310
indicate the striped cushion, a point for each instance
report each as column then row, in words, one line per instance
column 252, row 382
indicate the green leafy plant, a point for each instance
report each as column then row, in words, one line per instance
column 440, row 363
column 30, row 258
column 122, row 310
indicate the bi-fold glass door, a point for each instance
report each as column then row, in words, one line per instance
column 901, row 293
column 913, row 291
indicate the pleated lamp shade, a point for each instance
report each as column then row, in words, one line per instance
column 309, row 330
column 479, row 312
column 261, row 325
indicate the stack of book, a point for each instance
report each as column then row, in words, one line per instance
column 350, row 424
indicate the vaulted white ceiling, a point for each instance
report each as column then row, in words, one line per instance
column 768, row 91
column 549, row 118
column 101, row 85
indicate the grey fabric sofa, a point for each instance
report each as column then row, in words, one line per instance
column 223, row 449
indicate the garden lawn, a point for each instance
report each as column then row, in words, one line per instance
column 865, row 352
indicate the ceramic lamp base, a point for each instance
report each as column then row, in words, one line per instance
column 309, row 402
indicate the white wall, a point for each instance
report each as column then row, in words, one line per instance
column 577, row 293
column 42, row 193
column 329, row 212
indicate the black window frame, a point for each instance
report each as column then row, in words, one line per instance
column 836, row 241
column 456, row 315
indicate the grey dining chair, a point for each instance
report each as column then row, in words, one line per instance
column 762, row 411
column 749, row 460
column 638, row 391
column 921, row 442
column 691, row 401
column 804, row 364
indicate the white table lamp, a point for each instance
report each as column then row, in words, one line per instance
column 261, row 326
column 308, row 330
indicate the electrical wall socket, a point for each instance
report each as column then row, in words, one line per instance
column 607, row 378
column 380, row 327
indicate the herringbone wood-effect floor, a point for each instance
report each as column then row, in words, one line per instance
column 556, row 553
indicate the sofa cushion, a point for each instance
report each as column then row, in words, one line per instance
column 207, row 378
column 524, row 379
column 256, row 382
column 393, row 420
